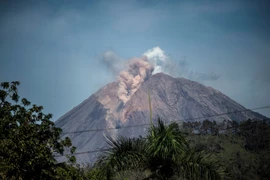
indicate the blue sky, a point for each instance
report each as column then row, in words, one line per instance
column 54, row 48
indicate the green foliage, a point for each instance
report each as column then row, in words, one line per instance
column 28, row 138
column 69, row 172
column 95, row 174
column 242, row 149
column 166, row 141
column 163, row 154
column 124, row 154
column 256, row 134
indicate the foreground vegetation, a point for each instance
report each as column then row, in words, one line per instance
column 243, row 149
column 162, row 154
column 29, row 142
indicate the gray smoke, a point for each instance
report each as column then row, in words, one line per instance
column 130, row 74
column 113, row 62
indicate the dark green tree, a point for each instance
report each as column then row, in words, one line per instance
column 206, row 126
column 28, row 138
column 256, row 134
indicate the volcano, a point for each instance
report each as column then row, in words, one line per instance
column 172, row 99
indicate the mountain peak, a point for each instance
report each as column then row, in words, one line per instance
column 172, row 99
column 162, row 76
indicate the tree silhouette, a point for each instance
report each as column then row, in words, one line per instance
column 28, row 139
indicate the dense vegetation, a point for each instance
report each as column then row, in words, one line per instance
column 162, row 154
column 29, row 142
column 243, row 149
column 240, row 151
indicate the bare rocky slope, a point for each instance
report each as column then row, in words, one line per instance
column 172, row 99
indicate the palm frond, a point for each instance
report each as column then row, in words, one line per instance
column 197, row 165
column 123, row 154
column 164, row 153
column 166, row 141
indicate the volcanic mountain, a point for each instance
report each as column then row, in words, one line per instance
column 172, row 99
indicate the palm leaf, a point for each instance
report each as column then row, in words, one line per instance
column 123, row 154
column 197, row 165
column 166, row 141
column 164, row 152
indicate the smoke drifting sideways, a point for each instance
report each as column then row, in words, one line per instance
column 132, row 73
column 155, row 56
column 113, row 62
column 177, row 68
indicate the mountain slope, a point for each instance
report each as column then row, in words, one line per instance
column 172, row 99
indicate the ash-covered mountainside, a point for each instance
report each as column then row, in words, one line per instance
column 172, row 99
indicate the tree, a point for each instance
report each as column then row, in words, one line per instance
column 164, row 153
column 256, row 134
column 28, row 139
column 206, row 126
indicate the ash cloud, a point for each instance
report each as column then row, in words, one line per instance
column 132, row 73
column 139, row 69
column 113, row 62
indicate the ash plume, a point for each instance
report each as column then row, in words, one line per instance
column 112, row 61
column 130, row 74
column 129, row 81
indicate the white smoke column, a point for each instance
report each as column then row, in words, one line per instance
column 177, row 68
column 163, row 63
column 129, row 81
column 158, row 58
